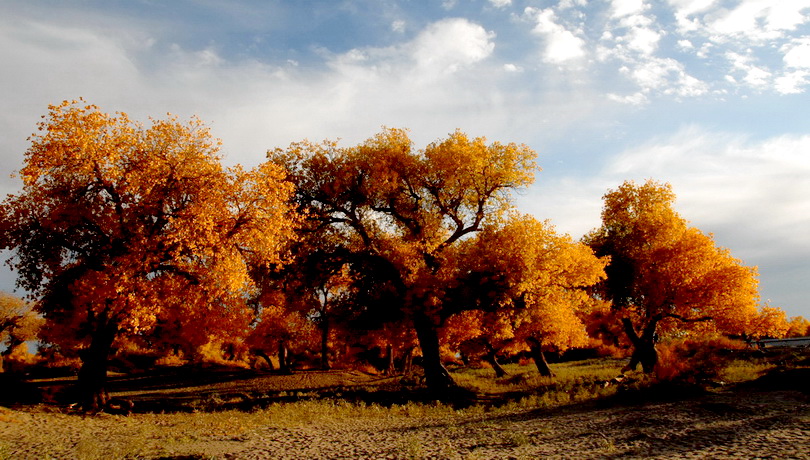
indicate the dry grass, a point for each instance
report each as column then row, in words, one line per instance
column 220, row 414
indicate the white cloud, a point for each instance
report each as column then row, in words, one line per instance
column 793, row 82
column 562, row 45
column 662, row 75
column 398, row 26
column 622, row 8
column 750, row 20
column 753, row 75
column 758, row 191
column 500, row 3
column 450, row 44
column 797, row 54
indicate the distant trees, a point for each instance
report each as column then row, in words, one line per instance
column 119, row 225
column 18, row 324
column 663, row 274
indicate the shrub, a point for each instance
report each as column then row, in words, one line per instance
column 695, row 360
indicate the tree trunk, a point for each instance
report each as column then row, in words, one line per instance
column 325, row 343
column 407, row 360
column 643, row 346
column 283, row 359
column 390, row 368
column 437, row 378
column 93, row 373
column 539, row 357
column 261, row 354
column 492, row 358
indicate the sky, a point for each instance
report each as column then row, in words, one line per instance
column 711, row 96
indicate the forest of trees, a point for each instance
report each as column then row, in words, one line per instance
column 135, row 239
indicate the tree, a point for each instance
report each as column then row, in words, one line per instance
column 18, row 324
column 664, row 275
column 541, row 281
column 402, row 212
column 769, row 322
column 119, row 225
column 798, row 327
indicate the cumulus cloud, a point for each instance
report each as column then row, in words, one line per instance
column 451, row 44
column 622, row 8
column 561, row 44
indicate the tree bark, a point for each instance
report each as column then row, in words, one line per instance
column 491, row 356
column 283, row 359
column 437, row 378
column 539, row 357
column 93, row 373
column 390, row 367
column 644, row 351
column 492, row 359
column 324, row 343
column 407, row 360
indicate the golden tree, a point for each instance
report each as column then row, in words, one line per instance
column 798, row 326
column 18, row 323
column 402, row 211
column 118, row 225
column 663, row 274
column 538, row 281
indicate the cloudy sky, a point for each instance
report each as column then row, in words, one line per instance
column 711, row 96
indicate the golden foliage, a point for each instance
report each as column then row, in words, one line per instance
column 119, row 225
column 664, row 270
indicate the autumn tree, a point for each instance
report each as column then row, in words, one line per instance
column 663, row 274
column 768, row 322
column 119, row 225
column 18, row 324
column 798, row 326
column 403, row 211
column 540, row 288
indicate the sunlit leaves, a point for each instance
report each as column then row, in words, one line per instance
column 664, row 270
column 122, row 225
column 533, row 285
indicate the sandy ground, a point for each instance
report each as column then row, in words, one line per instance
column 747, row 422
column 752, row 425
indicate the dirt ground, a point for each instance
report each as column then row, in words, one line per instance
column 769, row 418
column 739, row 424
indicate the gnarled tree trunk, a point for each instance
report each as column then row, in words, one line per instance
column 93, row 373
column 643, row 345
column 491, row 356
column 261, row 354
column 436, row 376
column 539, row 357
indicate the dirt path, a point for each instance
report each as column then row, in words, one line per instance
column 744, row 423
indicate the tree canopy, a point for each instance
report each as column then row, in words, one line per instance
column 665, row 275
column 402, row 211
column 119, row 224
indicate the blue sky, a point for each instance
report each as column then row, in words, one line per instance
column 709, row 95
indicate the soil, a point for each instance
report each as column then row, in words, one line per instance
column 766, row 418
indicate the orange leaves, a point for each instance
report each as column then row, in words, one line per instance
column 537, row 279
column 666, row 269
column 130, row 225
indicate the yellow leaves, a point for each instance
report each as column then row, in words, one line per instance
column 664, row 267
column 145, row 219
